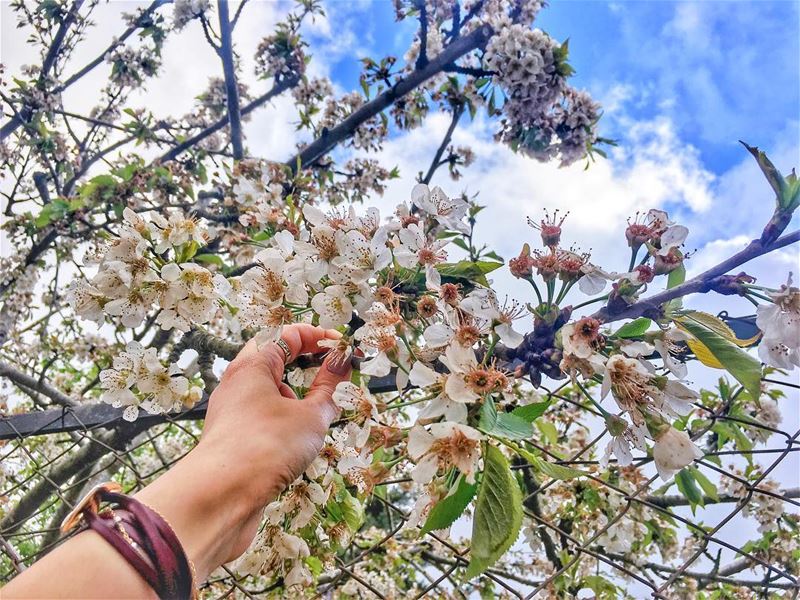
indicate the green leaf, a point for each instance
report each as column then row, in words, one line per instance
column 689, row 489
column 212, row 259
column 471, row 271
column 352, row 512
column 558, row 471
column 314, row 565
column 676, row 277
column 709, row 488
column 548, row 430
column 531, row 412
column 787, row 189
column 635, row 328
column 548, row 468
column 51, row 212
column 503, row 424
column 744, row 367
column 601, row 586
column 450, row 508
column 498, row 513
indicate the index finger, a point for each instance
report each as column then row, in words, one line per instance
column 303, row 338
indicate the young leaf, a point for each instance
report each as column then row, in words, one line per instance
column 212, row 259
column 676, row 277
column 448, row 509
column 709, row 488
column 548, row 468
column 745, row 368
column 502, row 424
column 531, row 412
column 352, row 512
column 498, row 513
column 558, row 471
column 689, row 489
column 635, row 328
column 787, row 189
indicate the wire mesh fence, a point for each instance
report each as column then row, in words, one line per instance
column 46, row 469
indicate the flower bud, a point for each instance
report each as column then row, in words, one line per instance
column 550, row 229
column 644, row 273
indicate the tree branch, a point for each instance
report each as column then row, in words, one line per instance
column 435, row 163
column 329, row 139
column 47, row 64
column 713, row 577
column 276, row 90
column 141, row 20
column 231, row 88
column 422, row 58
column 34, row 384
column 679, row 500
column 704, row 282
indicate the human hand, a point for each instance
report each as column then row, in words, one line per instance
column 258, row 436
column 258, row 421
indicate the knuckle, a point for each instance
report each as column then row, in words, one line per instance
column 245, row 364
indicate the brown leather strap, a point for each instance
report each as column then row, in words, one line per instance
column 148, row 543
column 163, row 546
column 107, row 530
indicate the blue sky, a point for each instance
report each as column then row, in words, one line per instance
column 722, row 70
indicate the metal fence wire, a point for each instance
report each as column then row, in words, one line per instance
column 51, row 458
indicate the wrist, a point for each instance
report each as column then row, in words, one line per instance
column 208, row 505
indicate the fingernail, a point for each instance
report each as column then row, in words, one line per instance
column 337, row 365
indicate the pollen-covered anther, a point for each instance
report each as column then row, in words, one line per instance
column 385, row 295
column 279, row 315
column 427, row 307
column 467, row 334
column 450, row 293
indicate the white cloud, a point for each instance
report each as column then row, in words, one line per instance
column 655, row 170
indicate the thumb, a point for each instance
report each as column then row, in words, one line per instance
column 332, row 372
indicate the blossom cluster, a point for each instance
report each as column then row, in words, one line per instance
column 452, row 348
column 542, row 116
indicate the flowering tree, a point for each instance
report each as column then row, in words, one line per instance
column 146, row 251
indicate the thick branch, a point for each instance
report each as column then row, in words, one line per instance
column 704, row 282
column 231, row 89
column 531, row 502
column 324, row 144
column 205, row 343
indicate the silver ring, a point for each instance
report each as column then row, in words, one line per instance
column 287, row 352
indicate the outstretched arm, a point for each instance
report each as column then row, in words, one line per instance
column 257, row 439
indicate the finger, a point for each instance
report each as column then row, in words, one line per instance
column 303, row 338
column 321, row 390
column 286, row 390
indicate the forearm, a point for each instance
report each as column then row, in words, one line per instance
column 205, row 501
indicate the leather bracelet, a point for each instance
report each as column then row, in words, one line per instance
column 141, row 536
